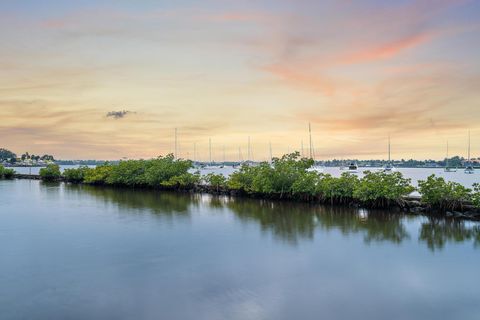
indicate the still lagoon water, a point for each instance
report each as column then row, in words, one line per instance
column 79, row 252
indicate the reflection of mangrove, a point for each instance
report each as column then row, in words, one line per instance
column 165, row 203
column 375, row 225
column 438, row 232
column 293, row 221
column 287, row 221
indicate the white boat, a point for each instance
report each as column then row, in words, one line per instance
column 447, row 167
column 469, row 167
column 389, row 166
column 352, row 168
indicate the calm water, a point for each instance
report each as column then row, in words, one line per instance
column 72, row 252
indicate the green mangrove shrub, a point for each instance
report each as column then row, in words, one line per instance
column 50, row 173
column 184, row 181
column 75, row 175
column 337, row 190
column 443, row 195
column 97, row 175
column 6, row 173
column 216, row 181
column 476, row 195
column 380, row 189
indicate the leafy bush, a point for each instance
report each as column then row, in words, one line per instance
column 217, row 181
column 278, row 178
column 337, row 190
column 307, row 185
column 380, row 189
column 97, row 175
column 6, row 173
column 476, row 195
column 438, row 193
column 183, row 181
column 242, row 179
column 50, row 173
column 130, row 173
column 160, row 171
column 75, row 175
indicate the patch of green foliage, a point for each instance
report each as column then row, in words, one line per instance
column 75, row 175
column 160, row 172
column 6, row 173
column 97, row 175
column 443, row 195
column 337, row 190
column 476, row 195
column 50, row 173
column 216, row 181
column 380, row 189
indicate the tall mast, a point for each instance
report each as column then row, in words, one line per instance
column 194, row 152
column 446, row 161
column 223, row 153
column 175, row 152
column 249, row 152
column 469, row 146
column 210, row 150
column 388, row 148
column 302, row 149
column 271, row 156
column 239, row 155
column 310, row 135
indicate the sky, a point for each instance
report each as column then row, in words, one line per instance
column 113, row 79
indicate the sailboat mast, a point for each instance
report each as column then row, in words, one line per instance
column 469, row 146
column 446, row 161
column 194, row 152
column 302, row 150
column 271, row 157
column 310, row 137
column 389, row 157
column 248, row 151
column 175, row 155
column 223, row 153
column 210, row 149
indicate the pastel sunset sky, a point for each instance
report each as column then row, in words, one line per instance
column 229, row 69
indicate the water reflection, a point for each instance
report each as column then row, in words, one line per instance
column 292, row 222
column 436, row 233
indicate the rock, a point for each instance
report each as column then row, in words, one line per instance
column 417, row 210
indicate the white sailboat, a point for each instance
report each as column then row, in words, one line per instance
column 211, row 165
column 469, row 167
column 447, row 167
column 389, row 166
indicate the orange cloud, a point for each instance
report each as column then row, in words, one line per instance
column 388, row 50
column 301, row 79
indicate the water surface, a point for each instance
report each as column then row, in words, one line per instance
column 79, row 252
